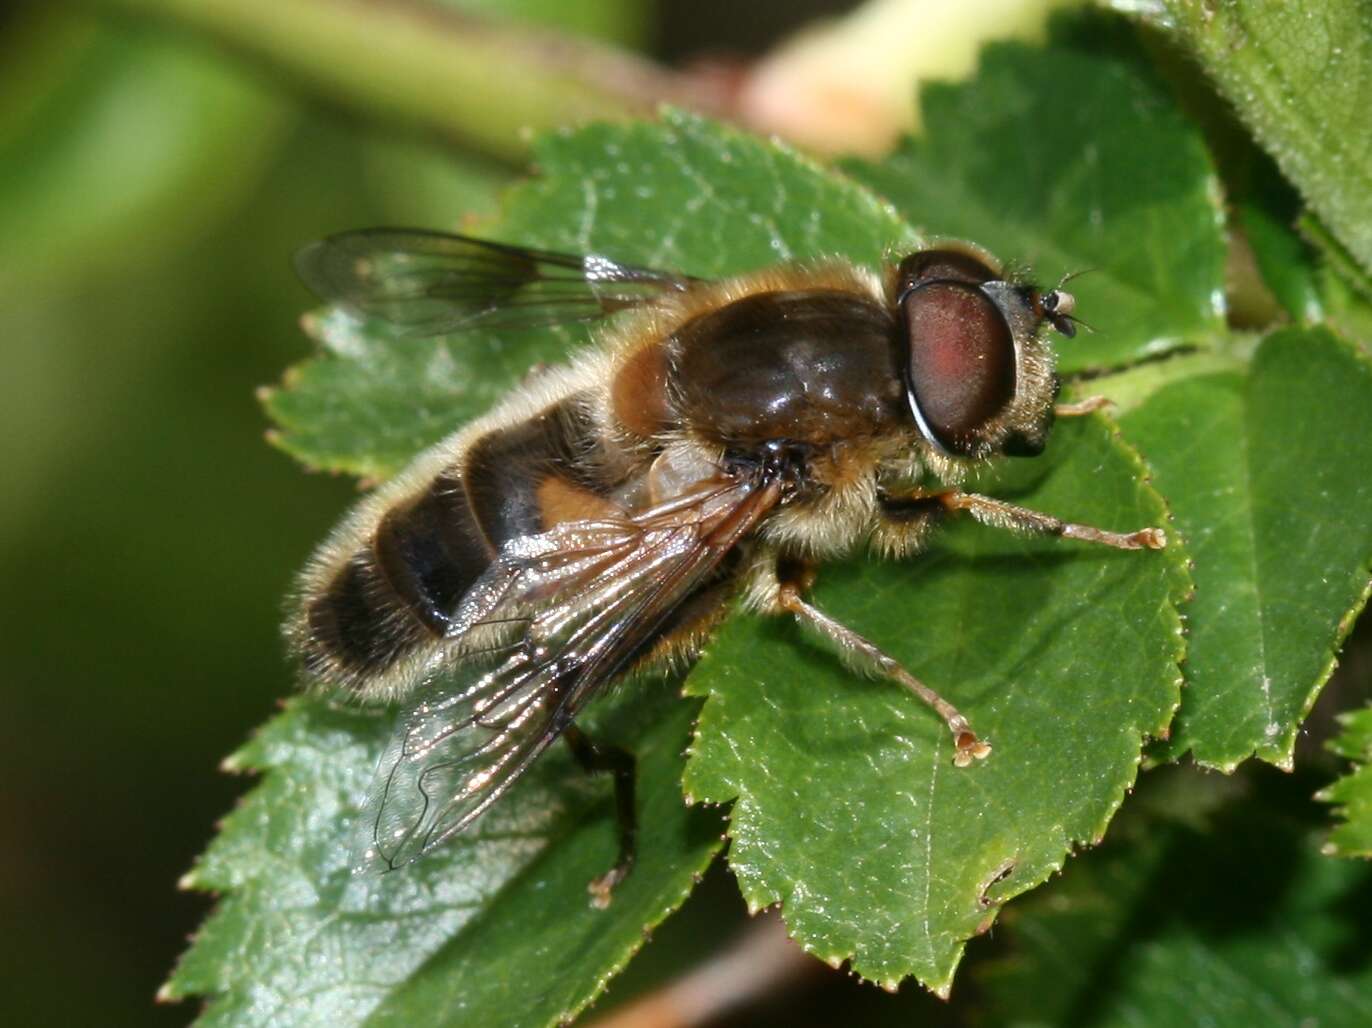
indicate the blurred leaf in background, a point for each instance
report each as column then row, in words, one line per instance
column 151, row 193
column 1174, row 921
column 1352, row 794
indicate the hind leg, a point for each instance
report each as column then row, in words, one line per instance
column 596, row 757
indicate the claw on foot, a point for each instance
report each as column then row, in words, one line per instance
column 1082, row 407
column 970, row 749
column 602, row 888
column 1153, row 538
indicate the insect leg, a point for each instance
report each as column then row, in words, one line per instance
column 1085, row 406
column 866, row 655
column 595, row 757
column 1020, row 519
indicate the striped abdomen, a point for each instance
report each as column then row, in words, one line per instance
column 395, row 594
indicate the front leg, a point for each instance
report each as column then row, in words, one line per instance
column 1000, row 514
column 793, row 578
column 1080, row 408
column 905, row 522
column 915, row 514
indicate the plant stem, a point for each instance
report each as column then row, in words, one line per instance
column 482, row 84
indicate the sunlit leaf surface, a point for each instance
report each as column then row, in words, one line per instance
column 496, row 928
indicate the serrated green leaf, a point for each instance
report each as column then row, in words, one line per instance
column 1352, row 794
column 495, row 928
column 1070, row 158
column 664, row 195
column 1300, row 76
column 1235, row 920
column 848, row 810
column 1265, row 468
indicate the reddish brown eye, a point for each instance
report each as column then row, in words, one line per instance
column 962, row 361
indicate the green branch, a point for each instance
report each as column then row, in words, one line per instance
column 478, row 83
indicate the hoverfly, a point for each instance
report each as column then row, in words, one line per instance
column 720, row 438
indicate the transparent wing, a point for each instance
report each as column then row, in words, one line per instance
column 429, row 283
column 580, row 602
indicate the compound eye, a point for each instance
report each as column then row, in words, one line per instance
column 962, row 361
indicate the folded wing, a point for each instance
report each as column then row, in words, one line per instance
column 578, row 604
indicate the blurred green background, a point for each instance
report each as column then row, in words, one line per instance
column 152, row 191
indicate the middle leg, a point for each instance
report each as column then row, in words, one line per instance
column 793, row 578
column 1000, row 514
